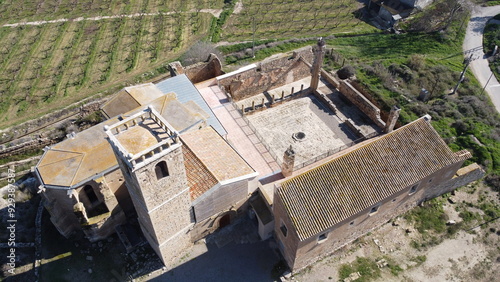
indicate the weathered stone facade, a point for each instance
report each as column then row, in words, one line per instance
column 200, row 71
column 361, row 102
column 96, row 217
column 294, row 220
column 156, row 180
column 299, row 254
column 270, row 73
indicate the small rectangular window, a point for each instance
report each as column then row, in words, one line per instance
column 283, row 229
column 322, row 237
column 352, row 223
column 161, row 170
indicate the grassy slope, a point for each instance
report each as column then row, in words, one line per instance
column 436, row 49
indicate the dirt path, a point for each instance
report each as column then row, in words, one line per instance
column 215, row 12
column 473, row 43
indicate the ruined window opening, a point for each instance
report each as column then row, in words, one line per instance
column 322, row 237
column 413, row 189
column 283, row 229
column 374, row 209
column 91, row 195
column 161, row 170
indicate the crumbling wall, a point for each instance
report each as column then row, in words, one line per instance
column 200, row 71
column 463, row 177
column 271, row 73
column 60, row 207
column 361, row 102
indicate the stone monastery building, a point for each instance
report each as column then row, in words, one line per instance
column 307, row 153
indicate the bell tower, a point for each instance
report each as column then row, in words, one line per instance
column 149, row 153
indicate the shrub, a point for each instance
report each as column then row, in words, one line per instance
column 346, row 72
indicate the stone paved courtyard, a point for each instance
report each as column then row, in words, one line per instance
column 322, row 130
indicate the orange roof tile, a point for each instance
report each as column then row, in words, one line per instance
column 324, row 196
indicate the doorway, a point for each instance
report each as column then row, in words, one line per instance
column 225, row 220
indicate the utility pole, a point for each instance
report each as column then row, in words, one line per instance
column 253, row 36
column 467, row 62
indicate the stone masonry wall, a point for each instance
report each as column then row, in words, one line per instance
column 310, row 250
column 200, row 71
column 163, row 206
column 60, row 208
column 206, row 70
column 361, row 102
column 463, row 177
column 271, row 73
column 287, row 244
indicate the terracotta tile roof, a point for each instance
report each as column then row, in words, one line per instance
column 216, row 154
column 324, row 196
column 130, row 98
column 199, row 178
column 74, row 161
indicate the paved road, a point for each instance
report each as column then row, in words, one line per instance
column 473, row 43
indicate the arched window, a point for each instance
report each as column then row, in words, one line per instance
column 89, row 192
column 161, row 170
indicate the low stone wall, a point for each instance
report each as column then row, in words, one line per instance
column 356, row 129
column 330, row 78
column 26, row 146
column 271, row 73
column 361, row 102
column 322, row 97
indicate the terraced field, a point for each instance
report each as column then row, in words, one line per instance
column 56, row 52
column 14, row 11
column 270, row 19
column 51, row 65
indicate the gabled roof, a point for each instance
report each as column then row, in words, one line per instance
column 326, row 195
column 199, row 178
column 186, row 92
column 220, row 159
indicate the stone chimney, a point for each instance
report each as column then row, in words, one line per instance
column 288, row 162
column 391, row 121
column 319, row 54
